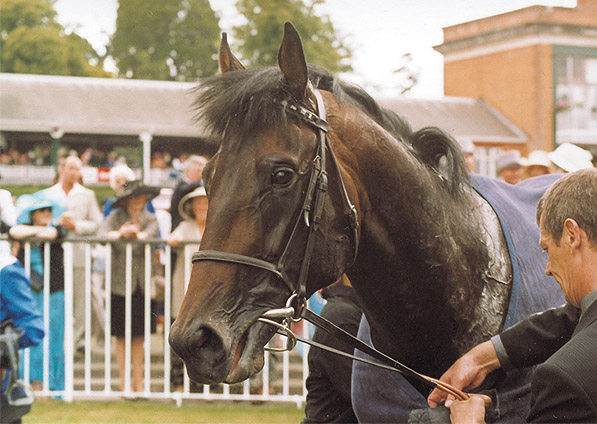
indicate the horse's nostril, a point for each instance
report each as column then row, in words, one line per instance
column 205, row 343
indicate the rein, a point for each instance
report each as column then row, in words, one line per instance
column 388, row 363
column 310, row 215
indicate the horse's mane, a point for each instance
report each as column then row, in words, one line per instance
column 239, row 102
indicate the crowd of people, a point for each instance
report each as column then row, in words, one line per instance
column 136, row 212
column 512, row 168
column 42, row 156
column 141, row 212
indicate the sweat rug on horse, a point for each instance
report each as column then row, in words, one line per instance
column 532, row 292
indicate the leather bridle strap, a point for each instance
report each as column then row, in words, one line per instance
column 216, row 255
column 311, row 211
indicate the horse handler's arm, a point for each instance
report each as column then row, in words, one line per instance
column 468, row 372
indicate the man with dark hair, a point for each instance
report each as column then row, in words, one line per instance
column 561, row 341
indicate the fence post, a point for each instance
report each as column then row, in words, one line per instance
column 68, row 323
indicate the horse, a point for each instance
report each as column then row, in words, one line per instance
column 313, row 180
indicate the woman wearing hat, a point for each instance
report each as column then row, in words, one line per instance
column 193, row 210
column 130, row 220
column 537, row 163
column 35, row 215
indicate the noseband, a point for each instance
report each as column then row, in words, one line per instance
column 311, row 211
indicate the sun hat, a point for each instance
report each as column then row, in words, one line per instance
column 120, row 171
column 509, row 159
column 132, row 189
column 538, row 158
column 27, row 203
column 571, row 158
column 184, row 207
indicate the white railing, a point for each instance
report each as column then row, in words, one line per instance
column 92, row 372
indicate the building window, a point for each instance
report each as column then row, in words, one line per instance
column 575, row 105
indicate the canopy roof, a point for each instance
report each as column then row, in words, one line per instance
column 461, row 117
column 41, row 103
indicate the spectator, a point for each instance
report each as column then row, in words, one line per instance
column 157, row 161
column 130, row 221
column 537, row 163
column 119, row 175
column 16, row 306
column 562, row 341
column 329, row 380
column 509, row 166
column 191, row 179
column 35, row 220
column 193, row 208
column 178, row 163
column 569, row 157
column 8, row 217
column 82, row 217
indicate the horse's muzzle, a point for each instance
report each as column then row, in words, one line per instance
column 202, row 349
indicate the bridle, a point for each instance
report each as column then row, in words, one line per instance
column 311, row 212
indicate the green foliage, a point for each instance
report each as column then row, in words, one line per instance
column 259, row 38
column 165, row 39
column 33, row 42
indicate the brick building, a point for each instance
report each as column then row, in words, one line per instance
column 537, row 66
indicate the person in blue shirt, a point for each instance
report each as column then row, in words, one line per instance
column 18, row 306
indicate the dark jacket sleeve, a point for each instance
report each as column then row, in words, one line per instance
column 536, row 338
column 564, row 388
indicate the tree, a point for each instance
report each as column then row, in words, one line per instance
column 259, row 38
column 33, row 42
column 165, row 39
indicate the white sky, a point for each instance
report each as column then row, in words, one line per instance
column 379, row 31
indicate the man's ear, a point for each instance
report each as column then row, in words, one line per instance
column 573, row 233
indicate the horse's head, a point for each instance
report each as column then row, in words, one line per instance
column 274, row 227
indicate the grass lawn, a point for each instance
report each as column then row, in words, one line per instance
column 120, row 411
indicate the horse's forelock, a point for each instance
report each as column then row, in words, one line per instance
column 242, row 101
column 239, row 102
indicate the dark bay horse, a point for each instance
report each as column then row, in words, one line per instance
column 313, row 180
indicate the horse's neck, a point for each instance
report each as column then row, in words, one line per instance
column 421, row 265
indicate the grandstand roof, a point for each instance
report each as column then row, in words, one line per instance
column 39, row 103
column 461, row 117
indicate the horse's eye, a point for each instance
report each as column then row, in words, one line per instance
column 282, row 176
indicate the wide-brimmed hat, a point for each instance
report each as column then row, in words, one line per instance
column 538, row 158
column 132, row 189
column 571, row 158
column 28, row 203
column 184, row 207
column 509, row 159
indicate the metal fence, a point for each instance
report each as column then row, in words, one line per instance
column 91, row 372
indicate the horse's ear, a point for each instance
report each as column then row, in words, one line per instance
column 291, row 60
column 226, row 60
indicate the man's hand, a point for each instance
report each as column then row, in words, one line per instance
column 66, row 220
column 468, row 411
column 468, row 372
